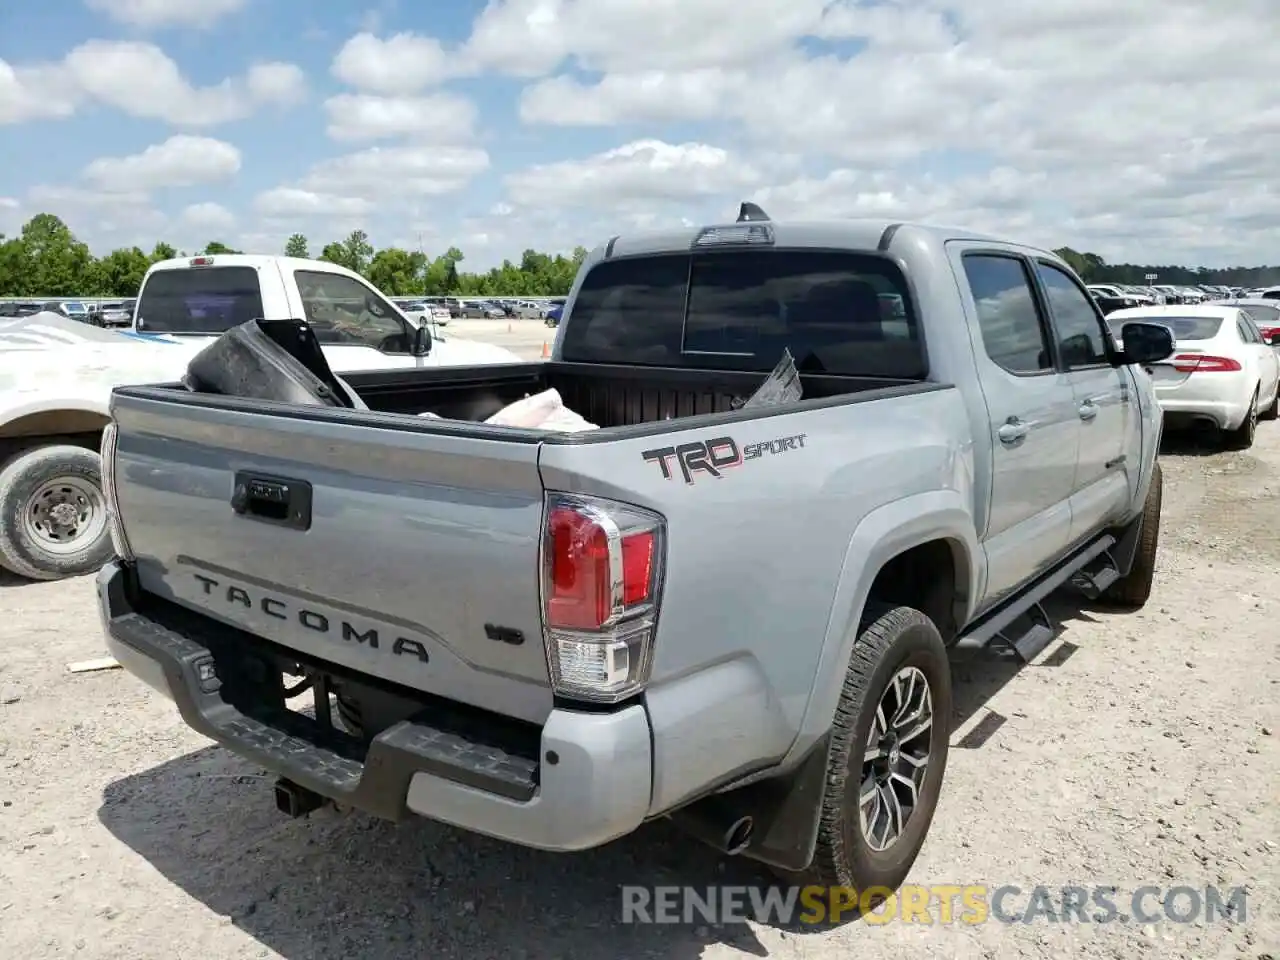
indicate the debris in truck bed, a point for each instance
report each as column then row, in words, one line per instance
column 542, row 411
column 781, row 386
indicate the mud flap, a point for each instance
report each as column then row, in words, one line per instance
column 786, row 811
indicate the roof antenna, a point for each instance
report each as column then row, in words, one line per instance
column 749, row 212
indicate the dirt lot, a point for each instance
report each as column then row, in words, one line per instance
column 1138, row 750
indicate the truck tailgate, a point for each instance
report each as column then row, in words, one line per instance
column 408, row 556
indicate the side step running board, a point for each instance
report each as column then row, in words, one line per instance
column 1028, row 635
column 1022, row 624
column 1093, row 579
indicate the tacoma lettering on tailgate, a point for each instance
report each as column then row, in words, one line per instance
column 310, row 619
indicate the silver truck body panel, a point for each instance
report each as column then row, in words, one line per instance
column 755, row 558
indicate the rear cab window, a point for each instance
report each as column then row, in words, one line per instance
column 840, row 313
column 199, row 300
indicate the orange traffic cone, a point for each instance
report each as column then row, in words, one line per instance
column 546, row 351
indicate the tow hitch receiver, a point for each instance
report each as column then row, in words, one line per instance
column 296, row 801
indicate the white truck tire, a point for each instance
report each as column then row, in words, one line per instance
column 53, row 514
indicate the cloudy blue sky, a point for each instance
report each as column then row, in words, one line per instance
column 1143, row 130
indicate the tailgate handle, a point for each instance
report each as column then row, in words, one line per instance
column 275, row 500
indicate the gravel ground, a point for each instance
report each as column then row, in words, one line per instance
column 1138, row 750
column 524, row 337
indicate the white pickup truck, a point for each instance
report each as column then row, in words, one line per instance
column 56, row 377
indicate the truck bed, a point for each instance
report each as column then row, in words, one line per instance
column 608, row 396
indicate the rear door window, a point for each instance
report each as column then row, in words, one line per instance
column 342, row 310
column 199, row 300
column 1013, row 331
column 838, row 313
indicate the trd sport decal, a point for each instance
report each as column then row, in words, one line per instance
column 713, row 457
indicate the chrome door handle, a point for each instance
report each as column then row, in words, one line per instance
column 1013, row 430
column 1087, row 410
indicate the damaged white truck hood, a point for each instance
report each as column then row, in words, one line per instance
column 50, row 362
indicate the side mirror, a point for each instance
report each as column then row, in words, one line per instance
column 1146, row 342
column 1273, row 338
column 421, row 340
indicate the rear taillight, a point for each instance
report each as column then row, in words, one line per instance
column 601, row 583
column 1203, row 363
column 107, row 456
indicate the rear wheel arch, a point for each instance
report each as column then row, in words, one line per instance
column 933, row 577
column 927, row 534
column 77, row 426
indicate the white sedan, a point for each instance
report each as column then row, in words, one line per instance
column 1223, row 371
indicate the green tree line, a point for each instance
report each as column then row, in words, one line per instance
column 47, row 260
column 1093, row 269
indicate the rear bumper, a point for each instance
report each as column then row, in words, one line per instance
column 1221, row 413
column 589, row 784
column 1223, row 400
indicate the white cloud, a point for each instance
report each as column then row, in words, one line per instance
column 140, row 79
column 395, row 173
column 211, row 216
column 634, row 177
column 533, row 37
column 102, row 219
column 150, row 14
column 286, row 202
column 280, row 84
column 79, row 197
column 438, row 118
column 181, row 161
column 402, row 64
column 1141, row 129
column 35, row 93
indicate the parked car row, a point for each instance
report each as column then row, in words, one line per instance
column 1117, row 296
column 107, row 313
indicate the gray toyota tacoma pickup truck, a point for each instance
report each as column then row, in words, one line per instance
column 734, row 616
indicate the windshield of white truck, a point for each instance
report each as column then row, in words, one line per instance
column 838, row 312
column 201, row 300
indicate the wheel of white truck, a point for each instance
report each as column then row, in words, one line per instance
column 53, row 515
column 888, row 755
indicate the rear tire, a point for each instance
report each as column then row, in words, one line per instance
column 1134, row 589
column 53, row 519
column 1241, row 438
column 876, row 764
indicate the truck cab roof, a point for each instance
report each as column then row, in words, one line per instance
column 253, row 260
column 856, row 233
